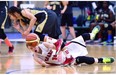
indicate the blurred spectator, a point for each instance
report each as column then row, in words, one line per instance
column 67, row 19
column 56, row 7
column 113, row 24
column 103, row 16
column 17, row 3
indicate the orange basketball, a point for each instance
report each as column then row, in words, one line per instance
column 32, row 40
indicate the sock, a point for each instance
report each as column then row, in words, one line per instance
column 92, row 36
column 109, row 37
column 86, row 36
column 64, row 40
column 66, row 52
column 8, row 43
column 100, row 60
column 62, row 46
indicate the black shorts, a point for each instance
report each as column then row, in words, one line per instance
column 67, row 19
column 51, row 27
column 2, row 34
column 3, row 16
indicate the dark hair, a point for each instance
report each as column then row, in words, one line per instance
column 14, row 9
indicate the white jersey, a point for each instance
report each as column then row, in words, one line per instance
column 48, row 55
column 75, row 49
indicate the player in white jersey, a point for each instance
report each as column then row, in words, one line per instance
column 55, row 52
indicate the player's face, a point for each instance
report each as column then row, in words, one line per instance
column 33, row 49
column 12, row 17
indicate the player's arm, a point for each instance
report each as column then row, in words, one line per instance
column 24, row 26
column 49, row 45
column 16, row 25
column 65, row 3
column 26, row 13
column 40, row 61
column 49, row 39
column 46, row 5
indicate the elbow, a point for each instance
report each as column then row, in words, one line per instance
column 34, row 19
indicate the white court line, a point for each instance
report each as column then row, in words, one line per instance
column 21, row 40
column 16, row 55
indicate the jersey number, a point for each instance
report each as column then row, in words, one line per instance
column 49, row 55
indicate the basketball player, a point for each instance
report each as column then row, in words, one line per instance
column 45, row 21
column 56, row 6
column 73, row 52
column 3, row 17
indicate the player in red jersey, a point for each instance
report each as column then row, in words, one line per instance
column 74, row 52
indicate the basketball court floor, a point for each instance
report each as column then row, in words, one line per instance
column 22, row 62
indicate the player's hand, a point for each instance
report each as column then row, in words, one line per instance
column 49, row 7
column 25, row 33
column 62, row 11
column 16, row 26
column 45, row 65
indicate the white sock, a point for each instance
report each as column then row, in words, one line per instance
column 92, row 36
column 96, row 60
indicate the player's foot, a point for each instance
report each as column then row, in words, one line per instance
column 10, row 51
column 96, row 29
column 108, row 60
column 58, row 45
column 68, row 61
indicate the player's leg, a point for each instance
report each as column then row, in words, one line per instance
column 3, row 17
column 92, row 60
column 7, row 41
column 91, row 36
column 70, row 25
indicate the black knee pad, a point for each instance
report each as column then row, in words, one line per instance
column 85, row 59
column 86, row 36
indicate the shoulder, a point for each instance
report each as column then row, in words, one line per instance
column 25, row 10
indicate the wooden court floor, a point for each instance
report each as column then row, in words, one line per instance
column 21, row 62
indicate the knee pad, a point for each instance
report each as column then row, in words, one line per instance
column 84, row 59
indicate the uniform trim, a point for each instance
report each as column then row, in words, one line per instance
column 3, row 24
column 78, row 43
column 40, row 27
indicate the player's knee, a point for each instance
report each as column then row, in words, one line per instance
column 84, row 59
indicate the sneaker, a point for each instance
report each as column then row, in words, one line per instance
column 58, row 45
column 108, row 60
column 68, row 61
column 96, row 29
column 10, row 50
column 106, row 43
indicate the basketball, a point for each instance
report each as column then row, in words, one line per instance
column 32, row 40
